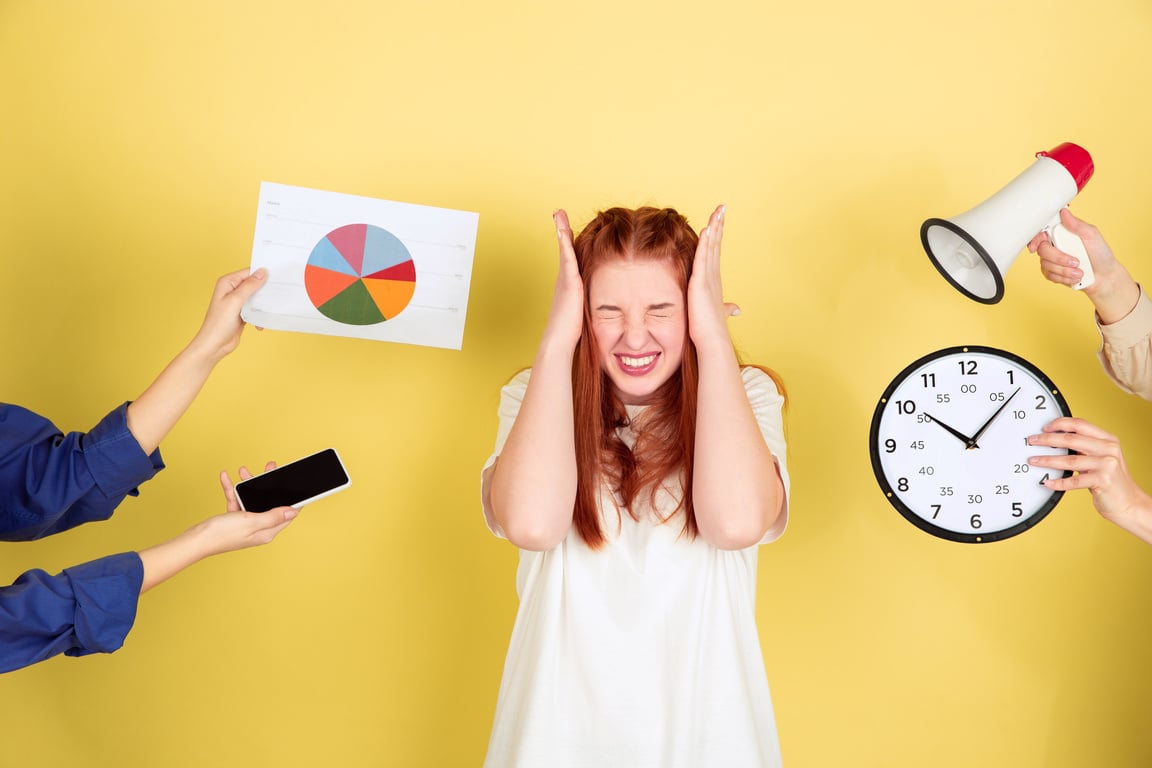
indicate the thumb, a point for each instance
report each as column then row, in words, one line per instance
column 732, row 310
column 250, row 285
column 1074, row 225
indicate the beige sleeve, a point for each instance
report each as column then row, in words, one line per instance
column 1126, row 349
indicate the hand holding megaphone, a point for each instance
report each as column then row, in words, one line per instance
column 1067, row 241
column 974, row 249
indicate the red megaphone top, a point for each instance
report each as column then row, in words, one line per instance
column 1075, row 160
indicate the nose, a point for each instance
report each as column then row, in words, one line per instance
column 635, row 333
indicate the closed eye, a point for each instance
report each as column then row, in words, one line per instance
column 666, row 309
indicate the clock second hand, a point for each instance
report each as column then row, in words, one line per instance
column 968, row 441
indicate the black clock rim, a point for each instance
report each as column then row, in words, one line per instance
column 989, row 262
column 891, row 495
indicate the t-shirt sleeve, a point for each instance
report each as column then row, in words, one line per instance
column 511, row 396
column 89, row 608
column 1126, row 349
column 767, row 406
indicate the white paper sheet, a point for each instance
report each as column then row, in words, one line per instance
column 345, row 265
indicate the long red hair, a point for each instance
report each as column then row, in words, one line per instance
column 666, row 431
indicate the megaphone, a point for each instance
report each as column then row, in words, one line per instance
column 975, row 249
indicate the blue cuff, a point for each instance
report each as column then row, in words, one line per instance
column 107, row 592
column 117, row 462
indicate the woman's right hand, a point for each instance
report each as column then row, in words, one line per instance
column 566, row 318
column 1098, row 461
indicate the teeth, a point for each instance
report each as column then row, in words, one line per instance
column 637, row 362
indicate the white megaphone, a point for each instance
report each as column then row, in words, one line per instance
column 975, row 249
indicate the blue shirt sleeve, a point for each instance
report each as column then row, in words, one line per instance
column 86, row 609
column 50, row 481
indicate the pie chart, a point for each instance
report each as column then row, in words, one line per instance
column 359, row 274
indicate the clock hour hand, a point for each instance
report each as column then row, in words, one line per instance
column 954, row 432
column 992, row 418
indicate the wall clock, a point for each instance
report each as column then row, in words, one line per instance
column 948, row 443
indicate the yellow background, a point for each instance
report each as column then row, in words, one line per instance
column 134, row 136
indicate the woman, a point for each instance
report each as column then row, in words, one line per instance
column 637, row 467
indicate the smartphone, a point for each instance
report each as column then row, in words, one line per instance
column 294, row 484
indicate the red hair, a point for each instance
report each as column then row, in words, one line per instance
column 666, row 431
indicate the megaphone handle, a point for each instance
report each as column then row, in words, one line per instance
column 1065, row 240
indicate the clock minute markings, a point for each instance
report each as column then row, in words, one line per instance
column 951, row 430
column 992, row 418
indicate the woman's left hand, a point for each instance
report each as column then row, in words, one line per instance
column 707, row 311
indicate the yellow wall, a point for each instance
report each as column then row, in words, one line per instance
column 134, row 136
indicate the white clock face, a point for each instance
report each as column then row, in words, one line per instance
column 948, row 443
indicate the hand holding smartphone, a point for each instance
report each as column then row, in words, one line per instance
column 294, row 484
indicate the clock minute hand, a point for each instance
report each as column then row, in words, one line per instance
column 954, row 432
column 992, row 418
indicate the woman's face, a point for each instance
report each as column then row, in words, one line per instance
column 639, row 321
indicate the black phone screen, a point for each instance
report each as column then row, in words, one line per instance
column 295, row 483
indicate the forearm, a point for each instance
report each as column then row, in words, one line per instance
column 534, row 480
column 1136, row 518
column 1114, row 293
column 153, row 414
column 163, row 561
column 736, row 490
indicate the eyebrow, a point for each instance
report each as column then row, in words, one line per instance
column 614, row 308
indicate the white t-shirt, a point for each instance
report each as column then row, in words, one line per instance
column 643, row 653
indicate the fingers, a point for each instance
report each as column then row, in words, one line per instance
column 563, row 232
column 563, row 228
column 707, row 260
column 231, row 503
column 567, row 249
column 731, row 309
column 1072, row 424
column 1056, row 265
column 240, row 285
column 1096, row 454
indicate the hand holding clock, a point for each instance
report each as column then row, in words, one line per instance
column 1101, row 468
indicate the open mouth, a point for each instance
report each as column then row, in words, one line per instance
column 637, row 366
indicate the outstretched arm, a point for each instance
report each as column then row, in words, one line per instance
column 90, row 608
column 737, row 493
column 533, row 483
column 152, row 415
column 226, row 532
column 1100, row 467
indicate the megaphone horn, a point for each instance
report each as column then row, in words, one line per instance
column 975, row 249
